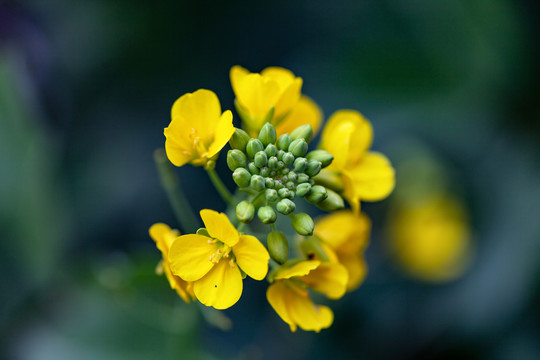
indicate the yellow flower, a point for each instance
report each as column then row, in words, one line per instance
column 345, row 236
column 289, row 295
column 256, row 95
column 164, row 236
column 215, row 264
column 198, row 130
column 366, row 175
column 305, row 112
column 431, row 238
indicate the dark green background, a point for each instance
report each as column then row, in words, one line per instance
column 86, row 89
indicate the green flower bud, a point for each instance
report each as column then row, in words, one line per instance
column 257, row 183
column 267, row 214
column 300, row 164
column 241, row 177
column 288, row 159
column 313, row 167
column 253, row 169
column 321, row 155
column 284, row 193
column 302, row 189
column 269, row 182
column 253, row 146
column 304, row 131
column 280, row 164
column 278, row 247
column 292, row 175
column 271, row 150
column 260, row 159
column 330, row 180
column 284, row 141
column 332, row 203
column 303, row 224
column 280, row 154
column 317, row 194
column 271, row 195
column 298, row 147
column 285, row 171
column 245, row 211
column 289, row 185
column 278, row 184
column 302, row 178
column 236, row 159
column 265, row 171
column 239, row 140
column 285, row 206
column 267, row 135
column 272, row 162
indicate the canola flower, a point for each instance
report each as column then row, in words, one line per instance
column 345, row 236
column 361, row 175
column 198, row 130
column 163, row 235
column 276, row 172
column 289, row 295
column 215, row 261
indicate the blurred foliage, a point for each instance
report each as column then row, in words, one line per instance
column 86, row 89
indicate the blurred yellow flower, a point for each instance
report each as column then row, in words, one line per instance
column 305, row 112
column 164, row 236
column 289, row 297
column 364, row 175
column 257, row 94
column 345, row 236
column 215, row 264
column 430, row 239
column 198, row 130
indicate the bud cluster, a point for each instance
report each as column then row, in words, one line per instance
column 276, row 171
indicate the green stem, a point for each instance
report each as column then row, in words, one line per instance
column 169, row 181
column 220, row 187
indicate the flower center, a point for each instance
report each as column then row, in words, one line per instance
column 223, row 251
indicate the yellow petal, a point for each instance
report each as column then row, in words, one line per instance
column 337, row 140
column 329, row 279
column 257, row 94
column 306, row 111
column 189, row 256
column 221, row 287
column 178, row 146
column 183, row 288
column 251, row 256
column 342, row 227
column 288, row 99
column 299, row 269
column 223, row 132
column 296, row 308
column 356, row 267
column 277, row 297
column 219, row 227
column 372, row 178
column 201, row 109
column 158, row 233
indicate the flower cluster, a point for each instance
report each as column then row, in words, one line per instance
column 273, row 168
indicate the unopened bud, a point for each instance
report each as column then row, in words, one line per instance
column 269, row 182
column 235, row 159
column 298, row 147
column 272, row 162
column 267, row 214
column 245, row 211
column 285, row 206
column 257, row 183
column 292, row 175
column 284, row 141
column 271, row 195
column 333, row 202
column 304, row 131
column 267, row 135
column 253, row 146
column 253, row 169
column 330, row 180
column 239, row 140
column 278, row 247
column 321, row 155
column 241, row 177
column 300, row 164
column 284, row 192
column 288, row 158
column 303, row 224
column 271, row 150
column 313, row 167
column 265, row 171
column 302, row 178
column 317, row 194
column 302, row 189
column 260, row 159
column 280, row 154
